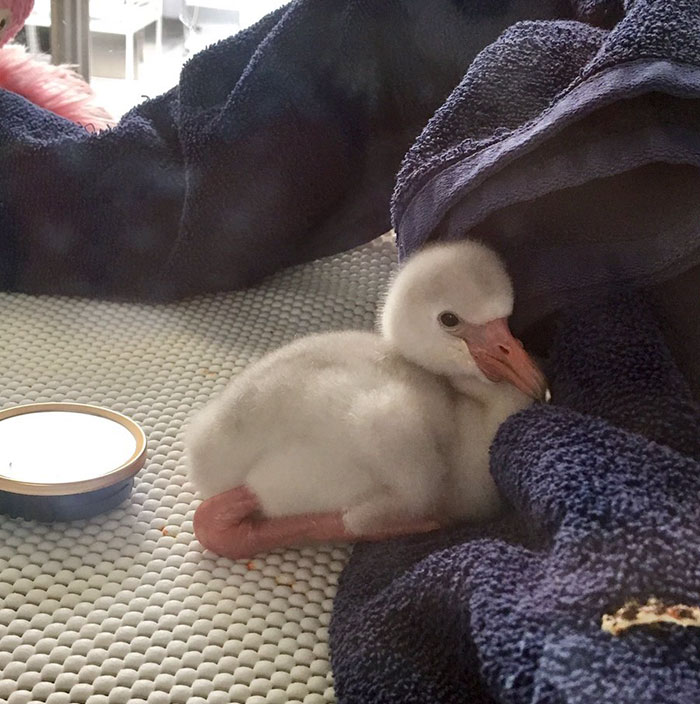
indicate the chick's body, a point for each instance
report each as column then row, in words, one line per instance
column 330, row 422
column 373, row 428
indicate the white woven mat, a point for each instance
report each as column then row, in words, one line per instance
column 127, row 607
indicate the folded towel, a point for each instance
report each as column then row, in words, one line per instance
column 278, row 146
column 604, row 485
column 575, row 152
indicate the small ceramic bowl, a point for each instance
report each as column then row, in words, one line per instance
column 66, row 461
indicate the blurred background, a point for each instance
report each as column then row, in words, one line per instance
column 133, row 49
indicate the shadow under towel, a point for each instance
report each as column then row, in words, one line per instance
column 604, row 486
column 575, row 152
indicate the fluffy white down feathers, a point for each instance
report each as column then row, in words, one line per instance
column 380, row 427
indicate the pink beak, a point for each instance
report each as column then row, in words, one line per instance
column 501, row 357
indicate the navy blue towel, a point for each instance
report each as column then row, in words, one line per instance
column 278, row 145
column 604, row 486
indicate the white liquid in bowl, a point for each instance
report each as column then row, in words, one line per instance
column 54, row 447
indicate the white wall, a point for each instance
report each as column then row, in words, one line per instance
column 171, row 8
column 250, row 10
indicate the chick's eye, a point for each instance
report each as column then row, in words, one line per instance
column 449, row 320
column 3, row 22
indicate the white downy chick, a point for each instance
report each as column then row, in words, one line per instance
column 379, row 428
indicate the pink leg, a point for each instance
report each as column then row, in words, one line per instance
column 226, row 525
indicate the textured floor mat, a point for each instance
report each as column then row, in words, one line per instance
column 127, row 607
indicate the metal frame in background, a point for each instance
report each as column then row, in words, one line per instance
column 70, row 34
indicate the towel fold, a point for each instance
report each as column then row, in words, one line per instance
column 574, row 151
column 604, row 488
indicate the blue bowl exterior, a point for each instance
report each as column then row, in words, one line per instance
column 71, row 507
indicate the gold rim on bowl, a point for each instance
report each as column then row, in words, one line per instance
column 124, row 471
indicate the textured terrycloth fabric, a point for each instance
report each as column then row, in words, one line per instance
column 575, row 152
column 278, row 146
column 604, row 486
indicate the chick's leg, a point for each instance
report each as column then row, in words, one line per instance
column 229, row 525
